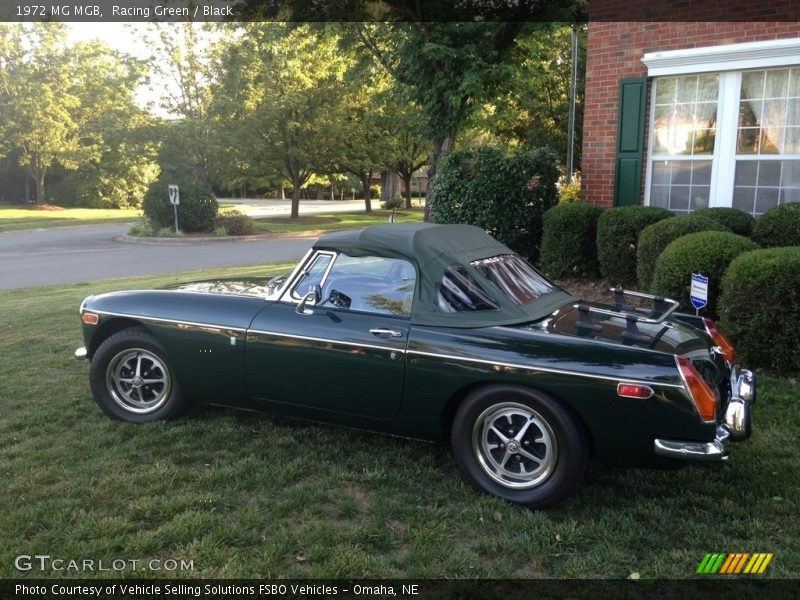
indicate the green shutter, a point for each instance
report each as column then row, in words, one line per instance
column 630, row 141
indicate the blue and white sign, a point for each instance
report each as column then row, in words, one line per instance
column 698, row 293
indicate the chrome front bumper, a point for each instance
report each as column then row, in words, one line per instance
column 735, row 427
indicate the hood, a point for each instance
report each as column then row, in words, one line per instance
column 261, row 287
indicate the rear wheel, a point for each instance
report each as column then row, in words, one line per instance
column 131, row 379
column 519, row 444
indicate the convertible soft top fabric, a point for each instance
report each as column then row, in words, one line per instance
column 432, row 249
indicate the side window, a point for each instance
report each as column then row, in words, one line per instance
column 460, row 292
column 371, row 284
column 312, row 275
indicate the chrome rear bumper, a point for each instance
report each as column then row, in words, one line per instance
column 736, row 425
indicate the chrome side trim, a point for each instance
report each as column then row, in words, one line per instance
column 544, row 369
column 161, row 320
column 326, row 341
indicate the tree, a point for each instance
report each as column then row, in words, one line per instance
column 38, row 104
column 287, row 79
column 532, row 107
column 60, row 104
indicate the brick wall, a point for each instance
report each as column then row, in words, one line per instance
column 615, row 50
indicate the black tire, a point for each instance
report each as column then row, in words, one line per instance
column 131, row 379
column 537, row 467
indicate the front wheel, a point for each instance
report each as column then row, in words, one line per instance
column 131, row 379
column 519, row 444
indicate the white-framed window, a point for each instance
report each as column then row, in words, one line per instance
column 725, row 137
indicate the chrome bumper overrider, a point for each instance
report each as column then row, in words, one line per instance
column 735, row 427
column 80, row 353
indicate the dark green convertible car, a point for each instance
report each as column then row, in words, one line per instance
column 436, row 332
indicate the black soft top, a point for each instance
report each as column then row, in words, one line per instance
column 432, row 249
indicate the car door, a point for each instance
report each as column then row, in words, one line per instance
column 344, row 351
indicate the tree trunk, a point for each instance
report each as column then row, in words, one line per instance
column 407, row 183
column 333, row 193
column 365, row 187
column 295, row 198
column 40, row 187
column 441, row 148
column 388, row 186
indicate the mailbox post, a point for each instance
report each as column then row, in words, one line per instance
column 175, row 200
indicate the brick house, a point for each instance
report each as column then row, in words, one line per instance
column 692, row 113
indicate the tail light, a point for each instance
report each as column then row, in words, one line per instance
column 702, row 395
column 720, row 340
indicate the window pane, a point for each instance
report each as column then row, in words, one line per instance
column 744, row 199
column 793, row 112
column 372, row 284
column 746, row 172
column 460, row 292
column 747, row 143
column 769, row 173
column 665, row 90
column 766, row 198
column 699, row 196
column 794, row 82
column 777, row 84
column 679, row 197
column 707, row 86
column 517, row 279
column 701, row 172
column 312, row 277
column 753, row 84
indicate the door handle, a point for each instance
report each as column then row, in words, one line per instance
column 379, row 331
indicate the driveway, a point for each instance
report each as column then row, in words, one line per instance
column 89, row 253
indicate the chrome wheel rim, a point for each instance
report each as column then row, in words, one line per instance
column 514, row 445
column 138, row 381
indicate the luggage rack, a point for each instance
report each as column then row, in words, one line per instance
column 662, row 308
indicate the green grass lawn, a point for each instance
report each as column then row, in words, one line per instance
column 248, row 495
column 334, row 221
column 17, row 217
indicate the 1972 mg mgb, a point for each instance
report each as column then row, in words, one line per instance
column 434, row 332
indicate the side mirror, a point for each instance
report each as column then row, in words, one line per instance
column 311, row 298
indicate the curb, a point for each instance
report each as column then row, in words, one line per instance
column 188, row 241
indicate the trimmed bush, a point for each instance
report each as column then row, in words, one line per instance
column 196, row 212
column 569, row 240
column 570, row 192
column 392, row 203
column 760, row 308
column 705, row 252
column 779, row 226
column 504, row 194
column 234, row 223
column 739, row 222
column 654, row 238
column 618, row 232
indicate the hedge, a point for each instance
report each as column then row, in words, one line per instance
column 504, row 194
column 618, row 232
column 779, row 226
column 760, row 308
column 569, row 237
column 705, row 252
column 196, row 211
column 654, row 238
column 739, row 222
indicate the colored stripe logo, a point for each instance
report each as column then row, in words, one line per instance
column 735, row 563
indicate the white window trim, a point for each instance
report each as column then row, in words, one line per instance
column 730, row 57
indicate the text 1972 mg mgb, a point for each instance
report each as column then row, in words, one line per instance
column 436, row 332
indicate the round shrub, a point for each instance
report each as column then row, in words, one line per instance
column 739, row 222
column 760, row 307
column 779, row 226
column 196, row 211
column 503, row 194
column 234, row 223
column 705, row 252
column 654, row 238
column 569, row 235
column 618, row 232
column 392, row 203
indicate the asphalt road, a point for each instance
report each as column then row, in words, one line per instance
column 89, row 253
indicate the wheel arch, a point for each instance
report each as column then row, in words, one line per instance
column 457, row 398
column 111, row 326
